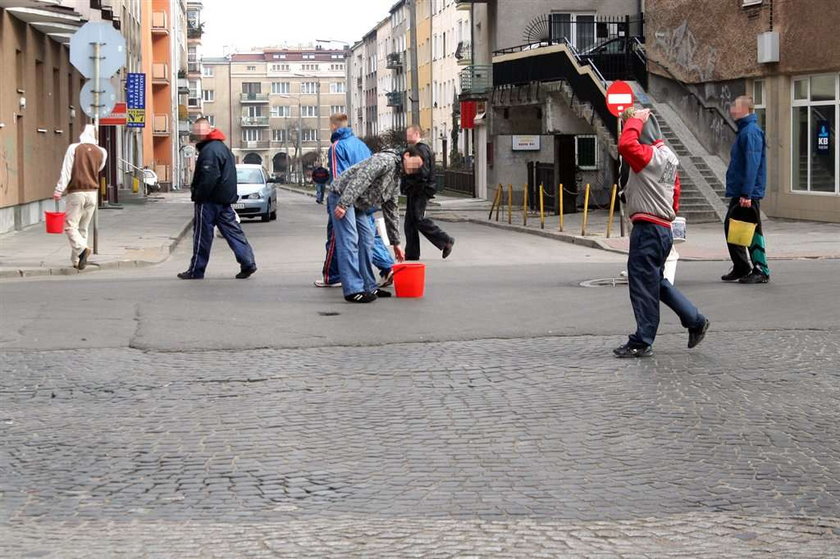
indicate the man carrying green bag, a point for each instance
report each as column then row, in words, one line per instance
column 746, row 178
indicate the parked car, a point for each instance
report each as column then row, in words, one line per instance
column 257, row 195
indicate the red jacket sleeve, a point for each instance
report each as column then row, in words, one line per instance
column 636, row 154
column 677, row 190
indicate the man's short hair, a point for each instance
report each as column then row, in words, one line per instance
column 201, row 119
column 339, row 119
column 746, row 101
column 416, row 128
column 413, row 151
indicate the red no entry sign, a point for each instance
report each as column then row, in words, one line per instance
column 619, row 97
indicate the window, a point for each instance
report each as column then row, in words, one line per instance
column 309, row 110
column 309, row 135
column 578, row 29
column 309, row 57
column 309, row 87
column 337, row 67
column 253, row 110
column 814, row 121
column 281, row 111
column 280, row 67
column 337, row 56
column 310, row 67
column 250, row 134
column 337, row 109
column 758, row 101
column 278, row 135
column 251, row 68
column 278, row 56
column 586, row 152
column 211, row 119
column 280, row 87
column 337, row 87
column 208, row 95
column 207, row 71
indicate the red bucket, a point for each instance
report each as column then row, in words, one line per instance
column 54, row 221
column 409, row 279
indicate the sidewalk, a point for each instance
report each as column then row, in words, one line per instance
column 143, row 233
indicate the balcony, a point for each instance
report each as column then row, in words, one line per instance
column 463, row 53
column 159, row 25
column 183, row 87
column 395, row 98
column 194, row 103
column 195, row 31
column 394, row 61
column 254, row 121
column 476, row 81
column 253, row 98
column 194, row 68
column 467, row 4
column 183, row 127
column 160, row 74
column 160, row 125
column 256, row 144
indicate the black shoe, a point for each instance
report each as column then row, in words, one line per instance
column 381, row 293
column 189, row 276
column 627, row 350
column 752, row 277
column 734, row 275
column 696, row 335
column 447, row 249
column 83, row 256
column 246, row 272
column 361, row 297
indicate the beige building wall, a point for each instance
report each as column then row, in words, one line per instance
column 450, row 36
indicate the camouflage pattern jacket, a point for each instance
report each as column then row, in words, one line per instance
column 374, row 183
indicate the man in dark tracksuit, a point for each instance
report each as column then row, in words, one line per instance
column 213, row 191
column 653, row 190
column 418, row 188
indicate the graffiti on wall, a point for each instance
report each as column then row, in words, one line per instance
column 681, row 47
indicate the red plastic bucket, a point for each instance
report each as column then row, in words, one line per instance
column 409, row 279
column 54, row 221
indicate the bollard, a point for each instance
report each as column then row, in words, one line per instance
column 612, row 209
column 501, row 192
column 542, row 207
column 525, row 205
column 495, row 201
column 510, row 204
column 560, row 199
column 585, row 211
column 135, row 185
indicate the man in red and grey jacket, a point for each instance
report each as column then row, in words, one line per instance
column 652, row 193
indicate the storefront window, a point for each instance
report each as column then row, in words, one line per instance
column 814, row 122
column 758, row 102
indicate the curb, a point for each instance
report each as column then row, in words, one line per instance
column 168, row 249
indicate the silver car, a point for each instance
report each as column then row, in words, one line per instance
column 257, row 195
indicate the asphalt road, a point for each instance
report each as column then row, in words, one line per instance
column 145, row 416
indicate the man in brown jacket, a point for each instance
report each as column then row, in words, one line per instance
column 80, row 180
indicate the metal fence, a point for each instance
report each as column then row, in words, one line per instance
column 456, row 180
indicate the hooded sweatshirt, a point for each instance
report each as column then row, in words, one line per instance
column 214, row 179
column 82, row 163
column 653, row 187
column 346, row 150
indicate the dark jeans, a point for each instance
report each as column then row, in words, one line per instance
column 416, row 222
column 207, row 216
column 650, row 245
column 319, row 191
column 754, row 257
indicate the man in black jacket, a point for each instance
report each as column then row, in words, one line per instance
column 418, row 188
column 213, row 191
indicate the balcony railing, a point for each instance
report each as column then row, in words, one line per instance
column 160, row 73
column 195, row 32
column 395, row 98
column 159, row 24
column 467, row 4
column 256, row 144
column 254, row 98
column 194, row 103
column 394, row 61
column 476, row 79
column 193, row 68
column 463, row 53
column 254, row 121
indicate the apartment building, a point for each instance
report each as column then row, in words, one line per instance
column 274, row 105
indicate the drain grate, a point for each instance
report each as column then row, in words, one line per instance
column 604, row 282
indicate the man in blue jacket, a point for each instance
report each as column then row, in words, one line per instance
column 746, row 178
column 345, row 151
column 213, row 191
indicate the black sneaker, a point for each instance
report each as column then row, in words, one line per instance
column 361, row 297
column 83, row 256
column 381, row 293
column 627, row 351
column 752, row 277
column 696, row 335
column 447, row 249
column 734, row 275
column 189, row 276
column 246, row 272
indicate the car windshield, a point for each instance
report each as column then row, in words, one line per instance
column 249, row 176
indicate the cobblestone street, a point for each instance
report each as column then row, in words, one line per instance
column 486, row 448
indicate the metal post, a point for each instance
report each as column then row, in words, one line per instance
column 585, row 212
column 620, row 205
column 98, row 105
column 318, row 116
column 299, row 143
column 542, row 207
column 560, row 198
column 612, row 209
column 510, row 204
column 525, row 205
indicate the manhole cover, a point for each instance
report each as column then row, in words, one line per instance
column 604, row 282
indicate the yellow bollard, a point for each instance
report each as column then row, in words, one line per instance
column 510, row 204
column 612, row 209
column 103, row 188
column 585, row 211
column 542, row 207
column 495, row 201
column 560, row 199
column 501, row 192
column 525, row 204
column 135, row 185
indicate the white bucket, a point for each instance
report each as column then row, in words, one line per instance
column 678, row 229
column 670, row 271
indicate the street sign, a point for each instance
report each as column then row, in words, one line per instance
column 112, row 49
column 107, row 98
column 135, row 98
column 619, row 97
column 117, row 117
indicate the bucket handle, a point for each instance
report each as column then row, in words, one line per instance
column 56, row 205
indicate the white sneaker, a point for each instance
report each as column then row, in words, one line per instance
column 322, row 283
